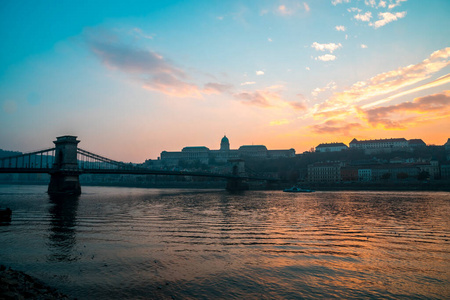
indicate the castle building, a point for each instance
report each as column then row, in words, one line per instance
column 205, row 155
column 380, row 146
column 331, row 147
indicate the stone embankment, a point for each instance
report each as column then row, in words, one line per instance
column 16, row 285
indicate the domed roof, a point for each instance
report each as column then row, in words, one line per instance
column 224, row 140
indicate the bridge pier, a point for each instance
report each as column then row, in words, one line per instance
column 237, row 184
column 65, row 172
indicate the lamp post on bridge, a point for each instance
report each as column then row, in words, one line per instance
column 65, row 171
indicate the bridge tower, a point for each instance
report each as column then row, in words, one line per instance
column 65, row 171
column 237, row 184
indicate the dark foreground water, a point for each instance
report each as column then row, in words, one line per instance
column 129, row 243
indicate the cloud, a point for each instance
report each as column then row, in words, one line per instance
column 336, row 2
column 396, row 3
column 330, row 86
column 364, row 46
column 326, row 47
column 149, row 68
column 282, row 9
column 386, row 18
column 353, row 9
column 269, row 39
column 258, row 98
column 137, row 32
column 340, row 127
column 279, row 122
column 373, row 3
column 248, row 83
column 171, row 85
column 326, row 57
column 298, row 105
column 259, row 73
column 340, row 28
column 370, row 3
column 306, row 6
column 216, row 88
column 262, row 98
column 365, row 17
column 390, row 81
column 437, row 82
column 392, row 117
column 290, row 8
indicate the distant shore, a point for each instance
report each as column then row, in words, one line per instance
column 435, row 185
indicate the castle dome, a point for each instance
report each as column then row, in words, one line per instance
column 224, row 143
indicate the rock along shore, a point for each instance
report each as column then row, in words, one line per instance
column 16, row 285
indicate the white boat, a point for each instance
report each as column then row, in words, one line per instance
column 296, row 189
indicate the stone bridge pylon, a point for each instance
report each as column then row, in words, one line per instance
column 65, row 171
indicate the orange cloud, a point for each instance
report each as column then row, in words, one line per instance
column 335, row 127
column 391, row 81
column 391, row 117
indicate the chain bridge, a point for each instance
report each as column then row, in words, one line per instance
column 66, row 162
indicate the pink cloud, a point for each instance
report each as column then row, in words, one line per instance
column 257, row 98
column 154, row 71
column 335, row 127
column 216, row 88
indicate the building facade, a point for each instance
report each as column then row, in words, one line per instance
column 205, row 155
column 331, row 147
column 380, row 146
column 325, row 172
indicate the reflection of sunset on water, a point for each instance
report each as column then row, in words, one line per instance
column 126, row 242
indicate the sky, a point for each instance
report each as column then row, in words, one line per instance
column 134, row 78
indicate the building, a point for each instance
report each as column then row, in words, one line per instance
column 365, row 174
column 205, row 155
column 331, row 147
column 447, row 146
column 445, row 171
column 416, row 143
column 325, row 172
column 349, row 173
column 380, row 146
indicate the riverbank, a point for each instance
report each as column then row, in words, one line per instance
column 16, row 285
column 413, row 185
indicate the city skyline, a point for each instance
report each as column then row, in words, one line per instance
column 134, row 79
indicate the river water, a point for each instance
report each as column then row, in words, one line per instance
column 131, row 243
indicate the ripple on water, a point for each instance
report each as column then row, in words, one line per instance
column 115, row 243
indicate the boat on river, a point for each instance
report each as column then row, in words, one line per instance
column 296, row 189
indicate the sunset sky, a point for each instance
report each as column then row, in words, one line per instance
column 134, row 78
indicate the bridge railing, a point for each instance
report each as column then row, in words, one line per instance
column 41, row 159
column 91, row 161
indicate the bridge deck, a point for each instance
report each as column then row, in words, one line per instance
column 133, row 172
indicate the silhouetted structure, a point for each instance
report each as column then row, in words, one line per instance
column 68, row 162
column 65, row 172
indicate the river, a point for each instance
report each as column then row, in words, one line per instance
column 132, row 243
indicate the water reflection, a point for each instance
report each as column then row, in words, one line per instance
column 116, row 243
column 62, row 233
